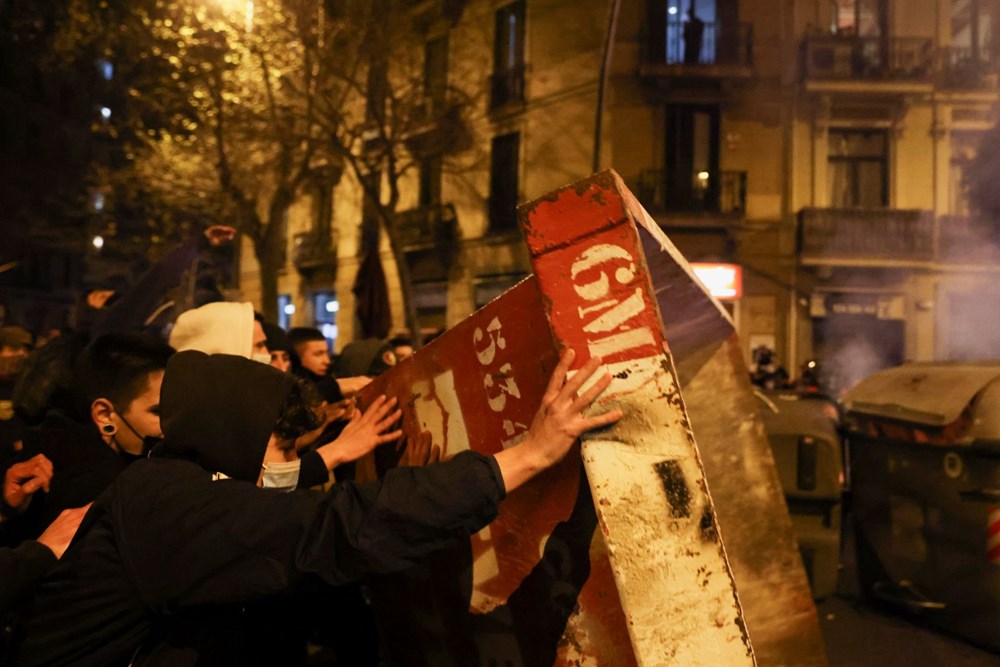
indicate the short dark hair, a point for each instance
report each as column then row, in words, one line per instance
column 402, row 339
column 299, row 335
column 298, row 415
column 116, row 366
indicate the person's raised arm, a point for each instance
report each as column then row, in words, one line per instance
column 558, row 423
column 22, row 480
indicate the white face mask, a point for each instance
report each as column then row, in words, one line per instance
column 261, row 357
column 281, row 476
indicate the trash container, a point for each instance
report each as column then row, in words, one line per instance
column 924, row 451
column 802, row 429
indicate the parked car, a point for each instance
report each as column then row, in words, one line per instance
column 803, row 431
column 924, row 444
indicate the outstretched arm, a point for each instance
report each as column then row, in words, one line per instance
column 558, row 423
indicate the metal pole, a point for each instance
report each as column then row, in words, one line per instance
column 602, row 82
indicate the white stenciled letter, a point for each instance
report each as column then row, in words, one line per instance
column 594, row 256
column 496, row 340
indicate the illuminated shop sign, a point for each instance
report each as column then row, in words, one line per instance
column 724, row 281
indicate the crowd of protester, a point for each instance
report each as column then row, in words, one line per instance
column 178, row 485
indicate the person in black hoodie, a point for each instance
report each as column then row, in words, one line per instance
column 188, row 529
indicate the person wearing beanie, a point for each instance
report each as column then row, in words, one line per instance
column 370, row 357
column 279, row 346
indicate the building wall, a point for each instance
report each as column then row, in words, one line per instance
column 774, row 125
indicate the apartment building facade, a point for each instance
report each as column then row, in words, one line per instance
column 820, row 146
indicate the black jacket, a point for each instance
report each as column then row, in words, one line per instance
column 166, row 541
column 20, row 569
column 83, row 465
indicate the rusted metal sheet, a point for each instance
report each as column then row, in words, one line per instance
column 477, row 387
column 667, row 556
column 609, row 284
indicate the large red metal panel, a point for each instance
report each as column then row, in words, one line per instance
column 477, row 387
column 606, row 282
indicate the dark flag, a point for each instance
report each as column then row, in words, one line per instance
column 372, row 296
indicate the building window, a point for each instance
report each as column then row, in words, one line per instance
column 430, row 181
column 857, row 172
column 692, row 158
column 972, row 30
column 436, row 72
column 504, row 182
column 325, row 308
column 285, row 311
column 508, row 56
column 431, row 302
column 963, row 152
column 488, row 288
column 858, row 18
column 692, row 30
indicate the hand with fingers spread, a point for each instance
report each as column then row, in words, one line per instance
column 418, row 451
column 22, row 480
column 560, row 420
column 363, row 433
column 328, row 413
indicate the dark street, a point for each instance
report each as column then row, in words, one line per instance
column 858, row 633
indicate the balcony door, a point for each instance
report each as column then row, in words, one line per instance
column 692, row 158
column 858, row 169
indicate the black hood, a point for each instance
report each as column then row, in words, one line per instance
column 219, row 411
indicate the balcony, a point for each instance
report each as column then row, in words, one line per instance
column 899, row 59
column 859, row 236
column 435, row 125
column 313, row 251
column 507, row 87
column 962, row 68
column 426, row 227
column 966, row 240
column 707, row 204
column 726, row 52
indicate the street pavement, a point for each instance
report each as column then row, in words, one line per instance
column 858, row 633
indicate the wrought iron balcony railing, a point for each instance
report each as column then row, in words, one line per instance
column 313, row 250
column 726, row 195
column 850, row 234
column 873, row 58
column 507, row 87
column 426, row 227
column 961, row 67
column 721, row 44
column 968, row 240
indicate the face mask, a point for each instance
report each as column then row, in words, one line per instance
column 148, row 442
column 281, row 476
column 261, row 357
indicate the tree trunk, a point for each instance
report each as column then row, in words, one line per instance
column 268, row 283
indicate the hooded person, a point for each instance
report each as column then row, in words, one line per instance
column 189, row 528
column 219, row 328
column 232, row 328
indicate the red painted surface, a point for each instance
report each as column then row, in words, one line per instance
column 478, row 386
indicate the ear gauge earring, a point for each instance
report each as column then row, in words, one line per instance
column 109, row 429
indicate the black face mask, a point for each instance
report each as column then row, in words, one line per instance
column 148, row 442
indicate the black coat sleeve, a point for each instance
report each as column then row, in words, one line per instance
column 20, row 570
column 188, row 541
column 313, row 471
